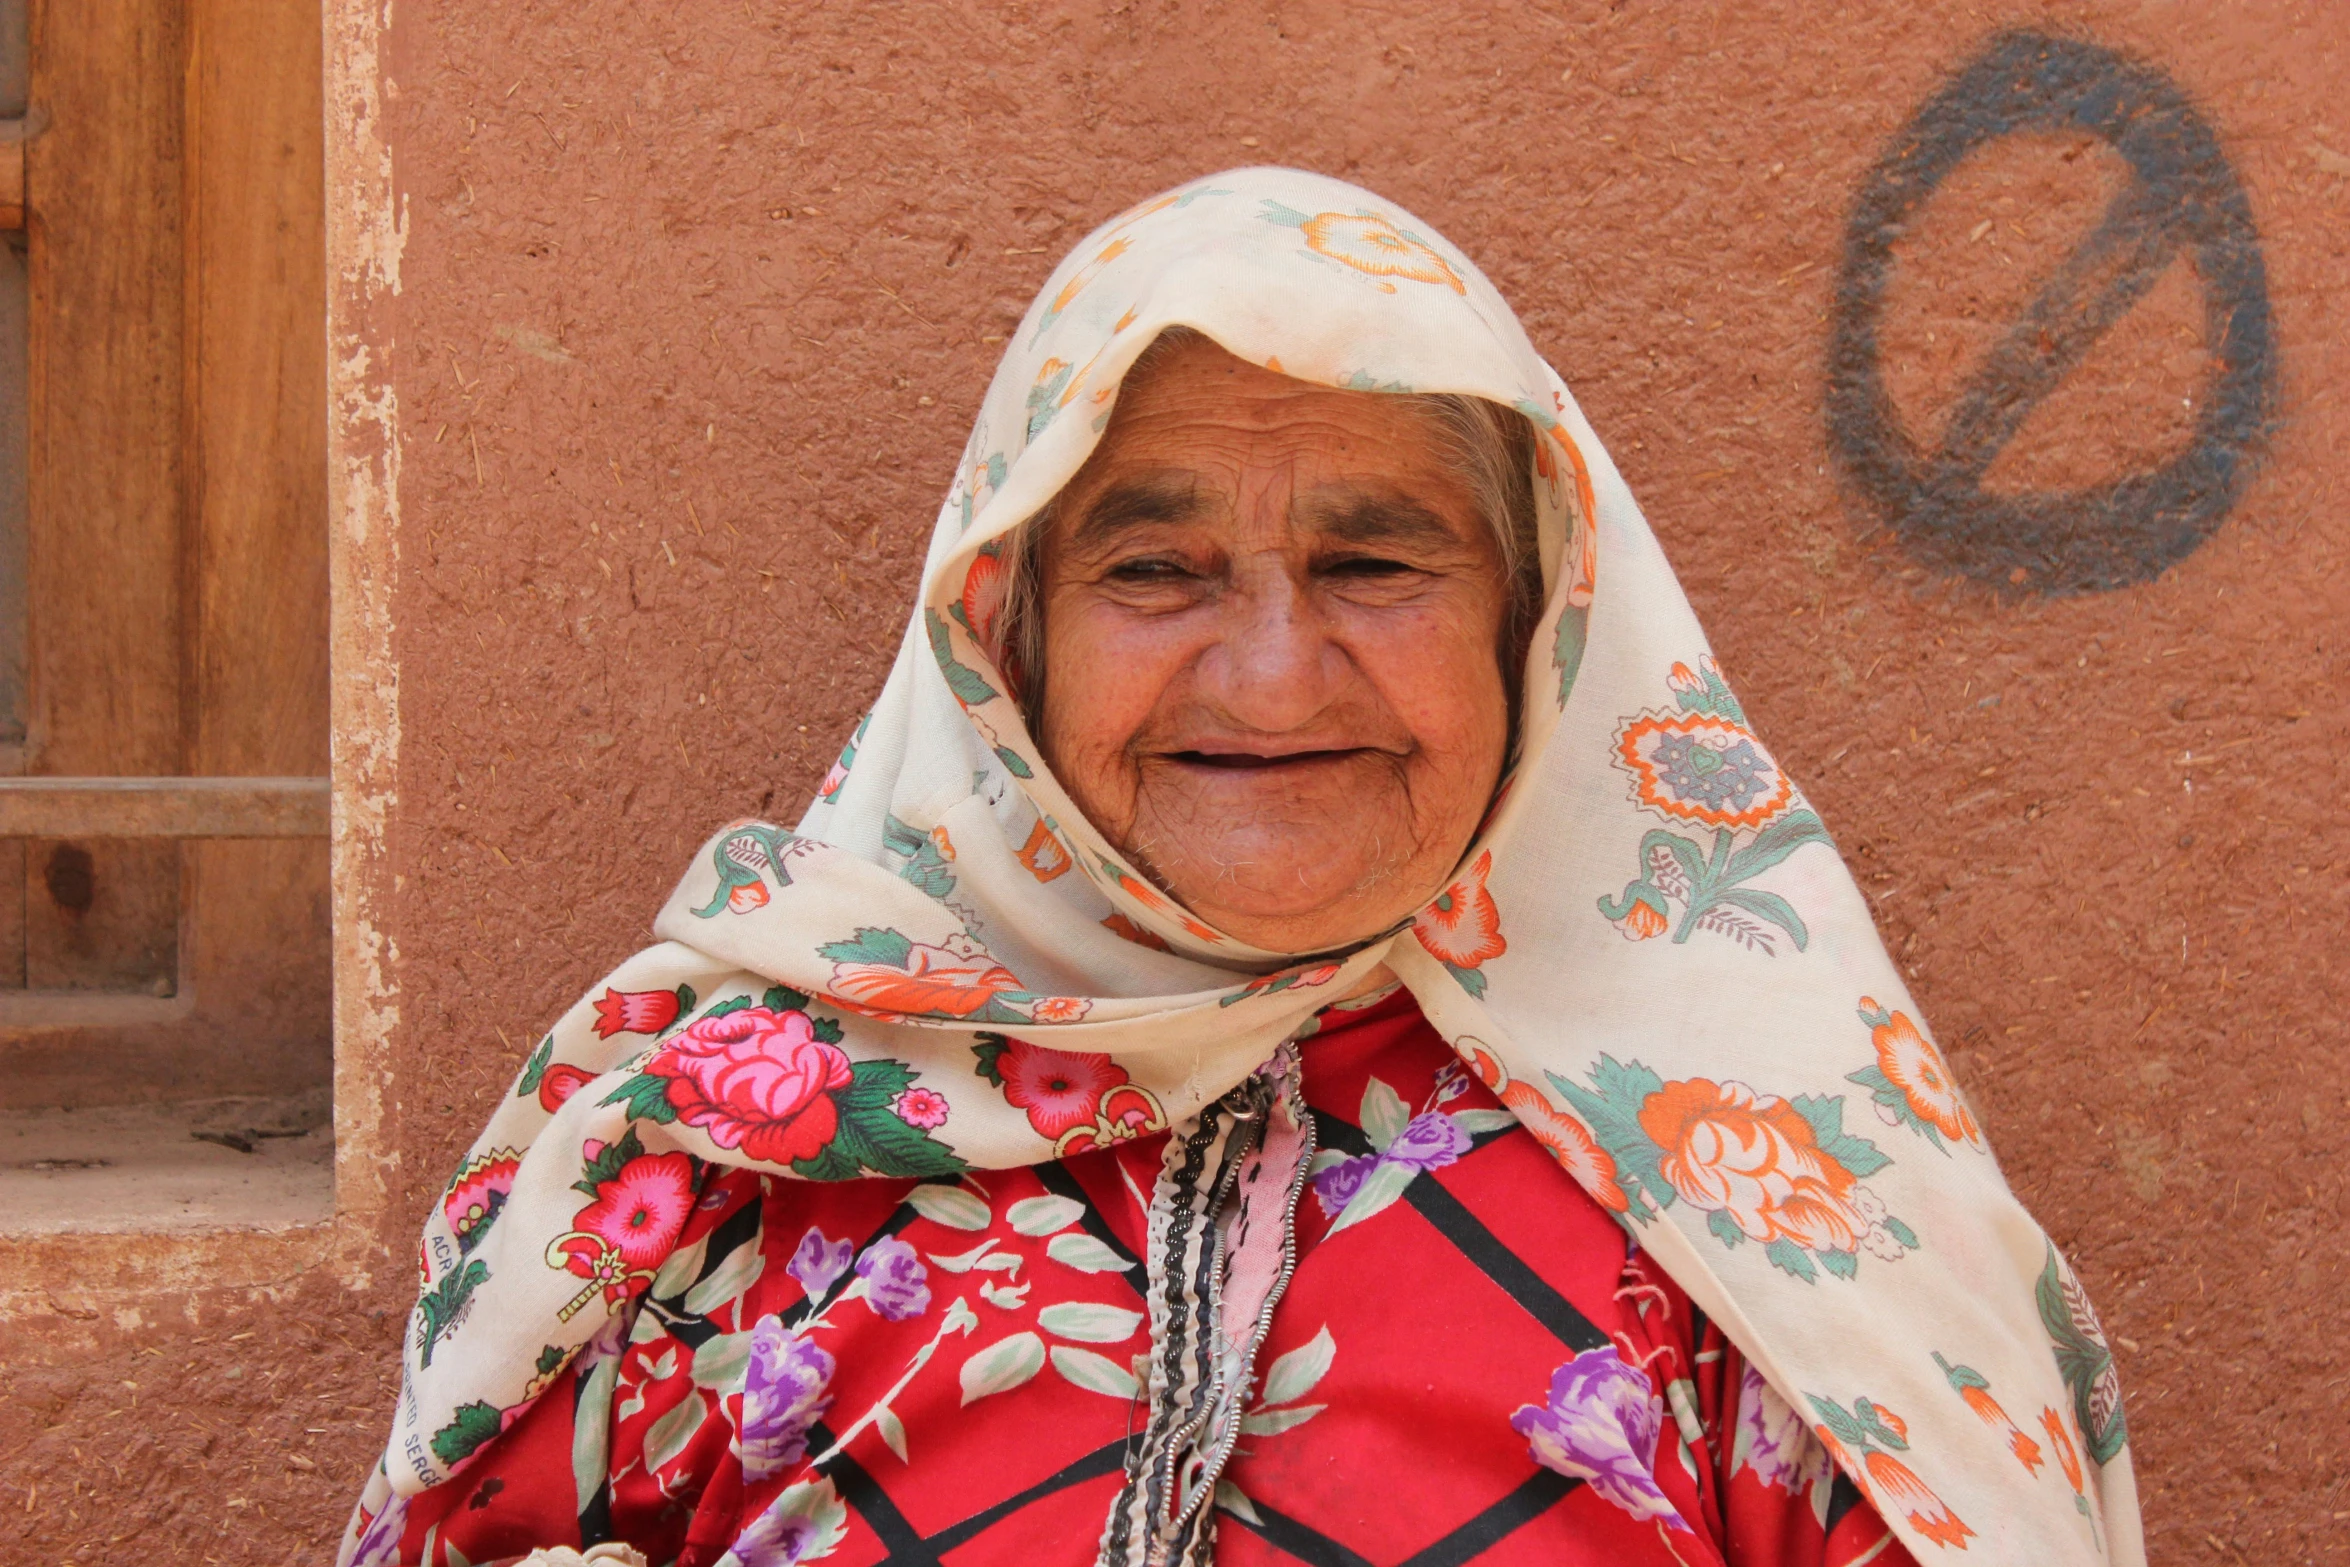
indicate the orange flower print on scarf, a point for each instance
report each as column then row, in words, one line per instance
column 982, row 603
column 1911, row 1083
column 1871, row 1434
column 1306, row 978
column 1702, row 766
column 2067, row 1456
column 1781, row 1173
column 1043, row 854
column 886, row 975
column 1580, row 563
column 883, row 973
column 1080, row 1101
column 1086, row 272
column 1119, row 925
column 1900, row 1492
column 1752, row 1157
column 1370, row 243
column 1150, row 897
column 1568, row 1143
column 1972, row 1386
column 1462, row 927
column 1697, row 768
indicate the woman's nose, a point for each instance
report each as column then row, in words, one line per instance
column 1273, row 666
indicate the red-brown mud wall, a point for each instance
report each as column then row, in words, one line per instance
column 694, row 306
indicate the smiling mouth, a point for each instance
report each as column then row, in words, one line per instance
column 1251, row 761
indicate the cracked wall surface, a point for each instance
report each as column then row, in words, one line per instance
column 654, row 337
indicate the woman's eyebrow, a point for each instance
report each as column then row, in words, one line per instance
column 1360, row 517
column 1137, row 502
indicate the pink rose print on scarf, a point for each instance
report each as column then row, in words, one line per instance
column 923, row 1107
column 756, row 1080
column 771, row 1082
column 1600, row 1426
column 640, row 1203
column 1076, row 1100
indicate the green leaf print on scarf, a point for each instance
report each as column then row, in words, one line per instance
column 2084, row 1359
column 439, row 1305
column 475, row 1424
column 873, row 1139
column 970, row 688
column 927, row 866
column 743, row 858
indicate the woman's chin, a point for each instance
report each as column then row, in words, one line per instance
column 1306, row 905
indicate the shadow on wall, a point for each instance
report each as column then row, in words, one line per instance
column 2176, row 195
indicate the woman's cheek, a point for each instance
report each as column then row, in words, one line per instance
column 1447, row 688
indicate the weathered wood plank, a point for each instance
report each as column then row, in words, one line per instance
column 106, row 557
column 259, row 953
column 81, row 808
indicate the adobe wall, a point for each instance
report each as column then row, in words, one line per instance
column 658, row 331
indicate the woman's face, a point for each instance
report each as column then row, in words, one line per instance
column 1271, row 617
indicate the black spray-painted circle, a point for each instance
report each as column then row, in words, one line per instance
column 2182, row 195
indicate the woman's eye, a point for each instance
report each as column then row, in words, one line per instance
column 1367, row 566
column 1153, row 569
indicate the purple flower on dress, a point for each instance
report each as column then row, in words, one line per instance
column 1773, row 1441
column 818, row 1262
column 378, row 1544
column 896, row 1283
column 1429, row 1141
column 1335, row 1187
column 775, row 1541
column 1601, row 1426
column 783, row 1395
column 804, row 1524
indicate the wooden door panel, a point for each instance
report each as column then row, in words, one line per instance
column 106, row 545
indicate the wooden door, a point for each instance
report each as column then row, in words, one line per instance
column 174, row 599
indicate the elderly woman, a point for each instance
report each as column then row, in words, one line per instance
column 1305, row 1026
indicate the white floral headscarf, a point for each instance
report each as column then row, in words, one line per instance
column 1651, row 952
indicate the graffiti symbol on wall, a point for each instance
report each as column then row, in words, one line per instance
column 2181, row 195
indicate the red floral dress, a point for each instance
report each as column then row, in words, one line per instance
column 1469, row 1364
